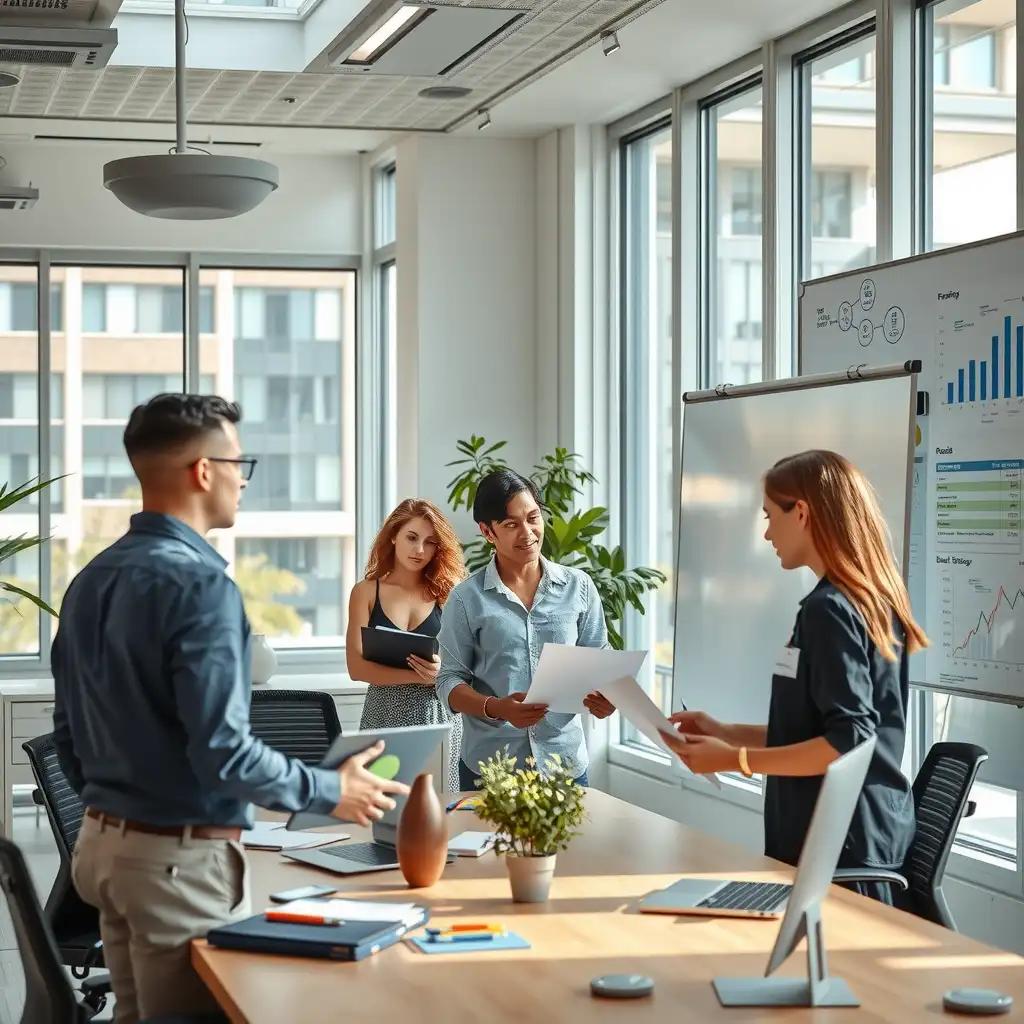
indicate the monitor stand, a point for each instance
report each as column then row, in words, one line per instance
column 818, row 989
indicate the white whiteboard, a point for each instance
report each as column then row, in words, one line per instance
column 961, row 312
column 735, row 606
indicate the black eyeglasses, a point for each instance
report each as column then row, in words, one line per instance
column 245, row 466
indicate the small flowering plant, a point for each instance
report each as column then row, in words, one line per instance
column 533, row 813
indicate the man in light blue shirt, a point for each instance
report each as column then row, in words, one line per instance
column 494, row 625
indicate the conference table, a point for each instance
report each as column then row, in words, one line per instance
column 898, row 965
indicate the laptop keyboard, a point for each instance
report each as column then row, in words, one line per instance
column 371, row 854
column 764, row 897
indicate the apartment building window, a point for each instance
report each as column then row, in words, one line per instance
column 112, row 396
column 19, row 399
column 207, row 315
column 107, row 478
column 646, row 375
column 831, row 204
column 123, row 308
column 836, row 152
column 19, row 309
column 965, row 57
column 745, row 203
column 968, row 122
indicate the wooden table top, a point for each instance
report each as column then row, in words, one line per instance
column 898, row 965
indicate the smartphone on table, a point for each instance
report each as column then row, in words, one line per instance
column 303, row 892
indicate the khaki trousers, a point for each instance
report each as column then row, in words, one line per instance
column 155, row 894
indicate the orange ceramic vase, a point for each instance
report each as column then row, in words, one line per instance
column 422, row 835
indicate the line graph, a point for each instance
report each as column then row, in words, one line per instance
column 983, row 623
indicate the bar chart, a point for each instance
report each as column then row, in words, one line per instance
column 987, row 364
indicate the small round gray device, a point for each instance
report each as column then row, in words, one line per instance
column 979, row 1002
column 622, row 986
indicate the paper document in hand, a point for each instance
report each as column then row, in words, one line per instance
column 565, row 674
column 631, row 702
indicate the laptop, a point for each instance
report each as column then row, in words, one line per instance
column 833, row 812
column 407, row 751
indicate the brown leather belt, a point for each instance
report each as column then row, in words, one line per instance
column 197, row 831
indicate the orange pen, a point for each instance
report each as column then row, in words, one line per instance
column 284, row 918
column 456, row 928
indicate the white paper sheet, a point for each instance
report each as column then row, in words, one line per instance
column 565, row 674
column 279, row 839
column 352, row 910
column 634, row 704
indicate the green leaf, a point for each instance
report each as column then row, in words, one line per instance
column 37, row 601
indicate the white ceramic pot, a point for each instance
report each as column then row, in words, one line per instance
column 530, row 877
column 264, row 660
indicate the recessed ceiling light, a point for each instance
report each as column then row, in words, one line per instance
column 444, row 92
column 390, row 32
column 7, row 80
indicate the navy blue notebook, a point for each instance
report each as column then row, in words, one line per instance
column 353, row 940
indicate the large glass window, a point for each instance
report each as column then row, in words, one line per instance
column 647, row 396
column 19, row 451
column 108, row 370
column 837, row 194
column 731, row 251
column 970, row 121
column 282, row 344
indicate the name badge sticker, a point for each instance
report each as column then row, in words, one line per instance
column 787, row 662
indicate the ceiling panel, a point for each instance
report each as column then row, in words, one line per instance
column 548, row 34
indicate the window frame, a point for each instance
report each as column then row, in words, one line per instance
column 899, row 58
column 320, row 660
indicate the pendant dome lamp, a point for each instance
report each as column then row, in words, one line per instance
column 184, row 184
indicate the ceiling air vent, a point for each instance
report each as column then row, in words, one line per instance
column 80, row 48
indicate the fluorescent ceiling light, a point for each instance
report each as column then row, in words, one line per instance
column 366, row 51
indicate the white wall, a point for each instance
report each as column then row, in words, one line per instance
column 991, row 917
column 465, row 251
column 316, row 210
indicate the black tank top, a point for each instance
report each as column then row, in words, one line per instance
column 430, row 626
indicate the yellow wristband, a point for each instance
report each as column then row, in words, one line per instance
column 744, row 763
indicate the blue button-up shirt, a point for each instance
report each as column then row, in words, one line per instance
column 151, row 669
column 492, row 642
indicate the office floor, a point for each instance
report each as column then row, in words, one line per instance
column 38, row 847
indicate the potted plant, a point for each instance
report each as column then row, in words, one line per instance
column 570, row 535
column 533, row 814
column 11, row 546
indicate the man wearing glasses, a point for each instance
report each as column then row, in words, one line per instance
column 151, row 668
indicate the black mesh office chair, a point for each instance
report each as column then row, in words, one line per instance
column 941, row 792
column 75, row 925
column 49, row 997
column 300, row 723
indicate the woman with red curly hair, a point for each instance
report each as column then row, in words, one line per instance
column 414, row 564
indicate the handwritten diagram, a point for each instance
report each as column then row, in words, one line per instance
column 891, row 325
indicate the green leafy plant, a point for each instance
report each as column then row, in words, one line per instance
column 570, row 535
column 14, row 545
column 532, row 814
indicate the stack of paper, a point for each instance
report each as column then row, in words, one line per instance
column 406, row 914
column 270, row 835
column 471, row 844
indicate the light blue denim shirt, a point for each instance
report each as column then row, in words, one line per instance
column 492, row 642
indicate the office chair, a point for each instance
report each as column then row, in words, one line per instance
column 75, row 925
column 300, row 723
column 49, row 997
column 941, row 792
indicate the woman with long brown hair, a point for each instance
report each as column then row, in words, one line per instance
column 414, row 564
column 842, row 677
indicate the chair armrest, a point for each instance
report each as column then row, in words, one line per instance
column 870, row 875
column 972, row 806
column 98, row 983
column 37, row 798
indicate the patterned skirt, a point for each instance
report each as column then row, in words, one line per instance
column 388, row 707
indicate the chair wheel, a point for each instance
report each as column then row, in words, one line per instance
column 95, row 1002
